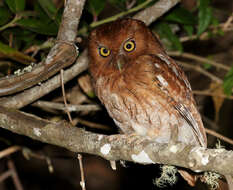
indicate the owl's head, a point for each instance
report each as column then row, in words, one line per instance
column 114, row 46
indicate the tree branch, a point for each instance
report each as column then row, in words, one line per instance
column 28, row 96
column 61, row 55
column 150, row 14
column 117, row 147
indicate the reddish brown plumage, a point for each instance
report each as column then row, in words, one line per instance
column 144, row 90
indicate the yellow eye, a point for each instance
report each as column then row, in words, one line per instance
column 129, row 46
column 104, row 52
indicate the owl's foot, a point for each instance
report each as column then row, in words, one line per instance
column 135, row 138
column 115, row 137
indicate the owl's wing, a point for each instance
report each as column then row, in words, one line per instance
column 176, row 87
column 187, row 115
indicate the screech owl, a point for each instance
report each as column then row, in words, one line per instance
column 142, row 88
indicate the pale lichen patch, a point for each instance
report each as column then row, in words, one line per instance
column 191, row 164
column 37, row 131
column 24, row 70
column 173, row 149
column 105, row 149
column 100, row 137
column 211, row 179
column 200, row 156
column 142, row 157
column 168, row 176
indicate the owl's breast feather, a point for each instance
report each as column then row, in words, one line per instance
column 141, row 102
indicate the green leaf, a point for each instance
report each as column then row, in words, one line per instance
column 189, row 29
column 11, row 5
column 21, row 37
column 4, row 15
column 181, row 16
column 140, row 1
column 40, row 12
column 96, row 6
column 215, row 22
column 19, row 5
column 11, row 53
column 205, row 16
column 49, row 8
column 228, row 82
column 165, row 31
column 207, row 66
column 16, row 5
column 121, row 2
column 39, row 26
column 58, row 16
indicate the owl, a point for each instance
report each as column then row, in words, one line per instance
column 143, row 89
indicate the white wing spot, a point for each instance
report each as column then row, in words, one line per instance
column 175, row 71
column 142, row 157
column 105, row 149
column 162, row 80
column 157, row 65
column 164, row 59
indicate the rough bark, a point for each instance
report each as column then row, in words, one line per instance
column 117, row 147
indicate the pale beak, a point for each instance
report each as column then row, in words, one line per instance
column 121, row 60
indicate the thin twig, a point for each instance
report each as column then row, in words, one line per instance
column 130, row 4
column 209, row 93
column 27, row 153
column 15, row 177
column 205, row 35
column 82, row 182
column 228, row 22
column 64, row 96
column 9, row 151
column 119, row 15
column 200, row 70
column 12, row 22
column 213, row 133
column 91, row 124
column 199, row 59
column 5, row 175
column 69, row 107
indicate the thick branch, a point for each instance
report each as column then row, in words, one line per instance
column 150, row 14
column 30, row 95
column 117, row 147
column 70, row 20
column 63, row 53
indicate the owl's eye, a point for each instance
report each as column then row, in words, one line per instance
column 104, row 52
column 129, row 46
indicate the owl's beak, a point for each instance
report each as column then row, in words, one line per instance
column 121, row 60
